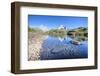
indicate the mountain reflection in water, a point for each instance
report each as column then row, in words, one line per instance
column 63, row 48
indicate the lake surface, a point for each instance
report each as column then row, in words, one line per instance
column 63, row 48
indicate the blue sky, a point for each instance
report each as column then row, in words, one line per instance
column 52, row 22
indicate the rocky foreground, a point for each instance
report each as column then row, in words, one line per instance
column 35, row 41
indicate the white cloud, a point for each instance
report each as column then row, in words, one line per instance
column 44, row 28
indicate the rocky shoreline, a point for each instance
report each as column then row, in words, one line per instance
column 35, row 41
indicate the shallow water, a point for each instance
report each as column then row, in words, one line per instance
column 62, row 48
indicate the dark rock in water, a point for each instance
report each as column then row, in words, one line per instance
column 75, row 42
column 57, row 49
